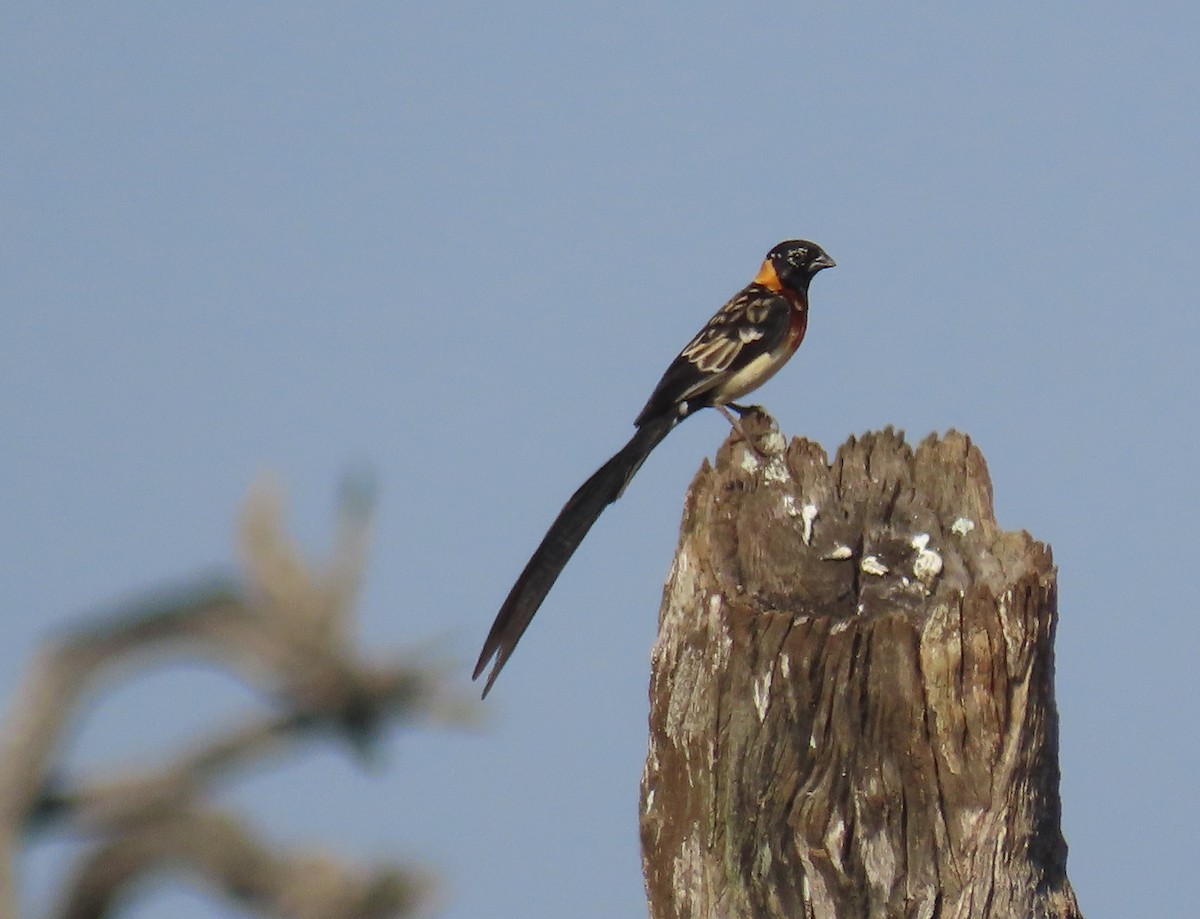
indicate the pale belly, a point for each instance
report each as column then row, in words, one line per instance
column 752, row 376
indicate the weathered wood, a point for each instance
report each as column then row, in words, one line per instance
column 852, row 706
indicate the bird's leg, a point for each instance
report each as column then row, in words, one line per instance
column 743, row 409
column 737, row 424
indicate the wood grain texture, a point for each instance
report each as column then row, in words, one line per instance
column 852, row 706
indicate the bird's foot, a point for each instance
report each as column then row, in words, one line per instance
column 742, row 411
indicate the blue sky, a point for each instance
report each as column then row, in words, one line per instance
column 459, row 242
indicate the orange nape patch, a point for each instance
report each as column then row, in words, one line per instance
column 768, row 277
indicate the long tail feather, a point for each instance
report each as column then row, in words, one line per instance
column 562, row 539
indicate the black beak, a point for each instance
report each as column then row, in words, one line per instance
column 823, row 261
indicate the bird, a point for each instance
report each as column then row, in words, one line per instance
column 741, row 347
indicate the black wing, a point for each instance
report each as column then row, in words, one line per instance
column 753, row 323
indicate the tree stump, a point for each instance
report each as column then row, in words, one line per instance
column 852, row 698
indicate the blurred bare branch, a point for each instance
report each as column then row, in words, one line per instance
column 218, row 849
column 288, row 632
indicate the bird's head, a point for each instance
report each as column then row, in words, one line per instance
column 792, row 264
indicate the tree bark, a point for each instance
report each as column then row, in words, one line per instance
column 852, row 699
